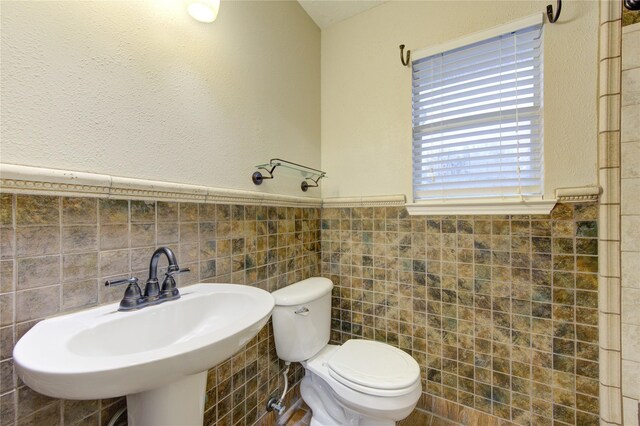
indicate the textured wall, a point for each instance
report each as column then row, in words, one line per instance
column 55, row 254
column 139, row 89
column 501, row 312
column 366, row 92
column 630, row 208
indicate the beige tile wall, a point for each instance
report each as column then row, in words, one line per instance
column 56, row 252
column 630, row 209
column 501, row 312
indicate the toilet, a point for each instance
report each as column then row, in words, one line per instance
column 360, row 382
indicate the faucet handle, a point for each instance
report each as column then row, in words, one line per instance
column 110, row 283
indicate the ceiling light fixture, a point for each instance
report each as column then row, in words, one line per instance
column 204, row 10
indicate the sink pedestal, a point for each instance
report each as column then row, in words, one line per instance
column 178, row 403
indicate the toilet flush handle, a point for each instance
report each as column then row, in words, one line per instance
column 302, row 311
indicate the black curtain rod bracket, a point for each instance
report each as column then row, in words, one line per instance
column 550, row 15
column 406, row 62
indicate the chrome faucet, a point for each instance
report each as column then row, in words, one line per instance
column 153, row 293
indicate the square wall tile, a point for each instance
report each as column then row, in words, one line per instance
column 6, row 313
column 631, row 87
column 79, row 266
column 631, row 307
column 631, row 269
column 631, row 343
column 630, row 49
column 79, row 211
column 6, row 209
column 38, row 272
column 631, row 379
column 77, row 238
column 37, row 240
column 7, row 243
column 115, row 262
column 7, row 281
column 37, row 210
column 79, row 294
column 630, row 409
column 37, row 303
column 630, row 196
column 143, row 211
column 630, row 125
column 113, row 211
column 631, row 155
column 630, row 233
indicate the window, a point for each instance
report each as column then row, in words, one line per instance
column 477, row 118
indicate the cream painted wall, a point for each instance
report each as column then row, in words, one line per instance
column 139, row 89
column 366, row 92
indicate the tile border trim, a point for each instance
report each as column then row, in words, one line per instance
column 483, row 207
column 372, row 201
column 578, row 195
column 41, row 181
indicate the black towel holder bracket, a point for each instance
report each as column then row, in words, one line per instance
column 311, row 179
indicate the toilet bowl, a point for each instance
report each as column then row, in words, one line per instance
column 361, row 382
column 343, row 401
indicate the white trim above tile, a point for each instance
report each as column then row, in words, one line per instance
column 375, row 201
column 578, row 195
column 506, row 206
column 36, row 180
column 482, row 207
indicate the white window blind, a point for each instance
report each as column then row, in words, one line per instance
column 477, row 119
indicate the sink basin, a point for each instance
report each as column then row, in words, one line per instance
column 153, row 355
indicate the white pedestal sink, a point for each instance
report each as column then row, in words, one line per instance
column 158, row 356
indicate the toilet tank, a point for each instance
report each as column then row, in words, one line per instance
column 302, row 318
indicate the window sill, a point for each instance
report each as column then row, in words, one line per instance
column 494, row 206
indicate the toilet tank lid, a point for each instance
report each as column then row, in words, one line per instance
column 303, row 291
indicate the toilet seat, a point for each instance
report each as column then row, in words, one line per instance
column 373, row 368
column 395, row 404
column 361, row 380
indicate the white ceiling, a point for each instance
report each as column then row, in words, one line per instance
column 327, row 12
